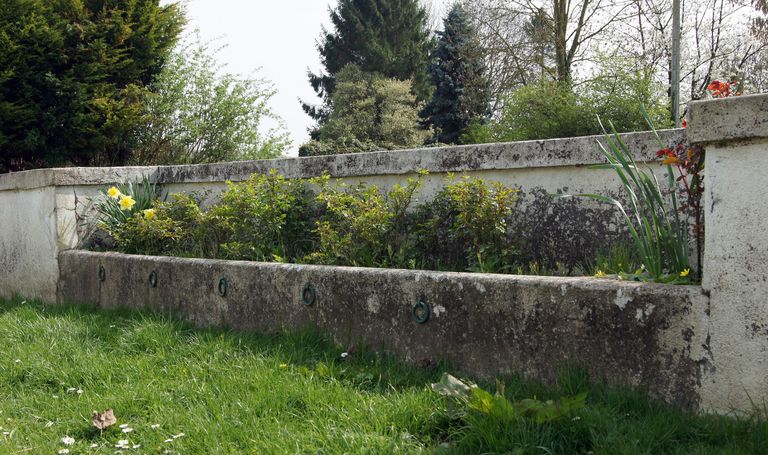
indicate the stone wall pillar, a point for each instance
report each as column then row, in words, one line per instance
column 734, row 132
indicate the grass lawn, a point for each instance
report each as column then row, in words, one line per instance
column 182, row 390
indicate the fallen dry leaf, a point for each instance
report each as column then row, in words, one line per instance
column 102, row 420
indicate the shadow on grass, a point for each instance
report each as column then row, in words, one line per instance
column 308, row 349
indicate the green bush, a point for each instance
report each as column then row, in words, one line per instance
column 466, row 226
column 370, row 112
column 174, row 227
column 550, row 110
column 471, row 225
column 263, row 219
column 362, row 226
column 341, row 145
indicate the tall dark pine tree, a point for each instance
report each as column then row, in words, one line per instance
column 461, row 89
column 389, row 37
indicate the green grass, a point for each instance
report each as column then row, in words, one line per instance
column 290, row 393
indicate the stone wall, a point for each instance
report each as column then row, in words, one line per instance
column 628, row 333
column 566, row 230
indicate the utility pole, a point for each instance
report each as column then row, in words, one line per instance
column 674, row 79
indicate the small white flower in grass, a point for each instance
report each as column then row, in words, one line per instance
column 6, row 433
column 79, row 391
column 67, row 440
column 23, row 302
column 168, row 440
column 122, row 444
column 123, row 425
column 344, row 355
column 93, row 446
column 48, row 424
column 136, row 446
column 17, row 361
column 154, row 426
column 71, row 390
column 178, row 435
column 127, row 430
column 63, row 451
column 55, row 396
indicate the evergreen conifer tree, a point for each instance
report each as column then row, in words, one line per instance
column 461, row 94
column 388, row 37
column 74, row 75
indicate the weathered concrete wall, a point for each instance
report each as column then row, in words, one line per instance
column 735, row 133
column 557, row 230
column 29, row 243
column 643, row 335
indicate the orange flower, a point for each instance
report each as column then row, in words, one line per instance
column 714, row 86
column 670, row 160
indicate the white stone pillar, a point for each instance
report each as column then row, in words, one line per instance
column 734, row 132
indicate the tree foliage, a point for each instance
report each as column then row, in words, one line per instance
column 371, row 112
column 457, row 71
column 73, row 76
column 550, row 109
column 197, row 113
column 389, row 37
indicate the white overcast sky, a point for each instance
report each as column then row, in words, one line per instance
column 277, row 38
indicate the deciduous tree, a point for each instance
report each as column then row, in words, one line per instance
column 198, row 113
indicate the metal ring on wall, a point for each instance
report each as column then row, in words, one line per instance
column 223, row 286
column 420, row 311
column 153, row 279
column 308, row 295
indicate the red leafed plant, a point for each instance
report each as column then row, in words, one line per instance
column 724, row 89
column 689, row 161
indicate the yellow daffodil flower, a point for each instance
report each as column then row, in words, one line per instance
column 685, row 272
column 600, row 274
column 114, row 193
column 148, row 213
column 126, row 202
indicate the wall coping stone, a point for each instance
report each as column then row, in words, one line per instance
column 728, row 119
column 578, row 151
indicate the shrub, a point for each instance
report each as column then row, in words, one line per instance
column 551, row 110
column 176, row 227
column 466, row 227
column 363, row 227
column 263, row 218
column 341, row 145
column 370, row 111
